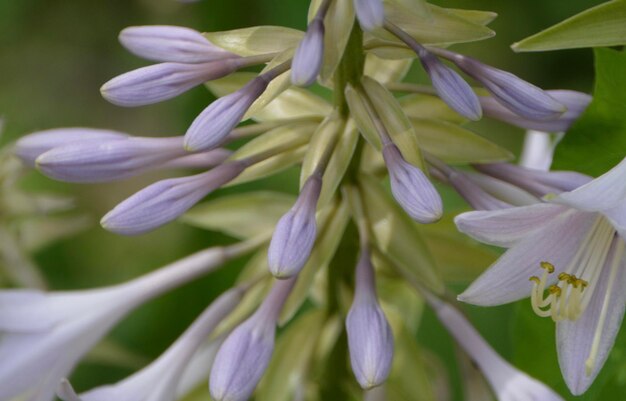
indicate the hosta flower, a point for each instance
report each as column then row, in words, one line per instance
column 160, row 380
column 370, row 13
column 44, row 335
column 307, row 61
column 568, row 257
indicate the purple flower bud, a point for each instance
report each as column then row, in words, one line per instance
column 208, row 159
column 370, row 13
column 576, row 103
column 159, row 82
column 165, row 200
column 216, row 121
column 108, row 160
column 307, row 61
column 411, row 188
column 450, row 87
column 519, row 96
column 30, row 147
column 165, row 43
column 246, row 352
column 475, row 196
column 369, row 336
column 537, row 182
column 295, row 233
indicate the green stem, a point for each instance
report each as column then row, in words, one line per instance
column 350, row 69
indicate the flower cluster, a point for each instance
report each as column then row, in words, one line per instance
column 566, row 246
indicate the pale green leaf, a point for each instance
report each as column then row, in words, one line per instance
column 602, row 25
column 271, row 166
column 291, row 359
column 454, row 144
column 322, row 140
column 332, row 222
column 238, row 215
column 398, row 298
column 475, row 16
column 386, row 71
column 397, row 236
column 339, row 162
column 358, row 111
column 256, row 40
column 395, row 121
column 290, row 135
column 427, row 106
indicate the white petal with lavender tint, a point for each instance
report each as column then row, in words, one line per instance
column 603, row 193
column 575, row 338
column 165, row 43
column 295, row 233
column 108, row 160
column 370, row 13
column 159, row 82
column 450, row 87
column 165, row 200
column 617, row 217
column 507, row 280
column 31, row 146
column 215, row 122
column 307, row 61
column 159, row 380
column 508, row 226
column 411, row 188
column 474, row 195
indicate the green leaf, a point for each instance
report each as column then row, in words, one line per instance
column 597, row 141
column 602, row 25
column 238, row 215
column 427, row 106
column 256, row 40
column 386, row 71
column 396, row 235
column 454, row 144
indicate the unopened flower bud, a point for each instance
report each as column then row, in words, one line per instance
column 575, row 102
column 246, row 352
column 159, row 82
column 478, row 198
column 216, row 121
column 450, row 87
column 411, row 188
column 519, row 96
column 30, row 147
column 369, row 336
column 294, row 235
column 165, row 200
column 177, row 44
column 108, row 160
column 307, row 61
column 370, row 13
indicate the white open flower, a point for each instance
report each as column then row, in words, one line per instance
column 568, row 256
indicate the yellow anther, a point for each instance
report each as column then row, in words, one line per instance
column 564, row 277
column 549, row 267
column 580, row 283
column 535, row 280
column 555, row 289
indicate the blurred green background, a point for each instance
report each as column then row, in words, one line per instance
column 54, row 56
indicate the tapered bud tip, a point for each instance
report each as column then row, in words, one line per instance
column 295, row 233
column 66, row 392
column 411, row 188
column 241, row 361
column 370, row 13
column 307, row 61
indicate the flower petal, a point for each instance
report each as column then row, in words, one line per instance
column 574, row 339
column 507, row 226
column 603, row 193
column 507, row 279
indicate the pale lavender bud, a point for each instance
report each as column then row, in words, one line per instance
column 370, row 339
column 165, row 200
column 519, row 96
column 295, row 233
column 108, row 160
column 165, row 43
column 537, row 182
column 307, row 61
column 159, row 82
column 246, row 352
column 216, row 121
column 575, row 102
column 450, row 87
column 30, row 147
column 208, row 159
column 370, row 13
column 411, row 188
column 475, row 196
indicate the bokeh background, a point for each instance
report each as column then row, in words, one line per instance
column 54, row 56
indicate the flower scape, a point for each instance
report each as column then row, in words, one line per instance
column 344, row 269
